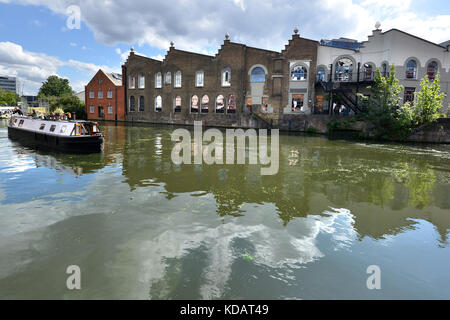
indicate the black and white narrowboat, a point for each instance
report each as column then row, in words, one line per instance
column 71, row 136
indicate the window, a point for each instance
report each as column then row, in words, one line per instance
column 194, row 104
column 91, row 94
column 220, row 104
column 343, row 70
column 231, row 105
column 21, row 123
column 205, row 104
column 100, row 81
column 101, row 114
column 432, row 70
column 199, row 78
column 158, row 80
column 109, row 94
column 249, row 102
column 411, row 69
column 320, row 74
column 299, row 73
column 63, row 129
column 368, row 72
column 319, row 104
column 158, row 104
column 297, row 102
column 177, row 104
column 132, row 106
column 226, row 77
column 265, row 104
column 141, row 104
column 384, row 70
column 258, row 75
column 52, row 128
column 131, row 82
column 168, row 78
column 409, row 95
column 42, row 127
column 91, row 109
column 141, row 81
column 178, row 79
column 100, row 94
column 110, row 110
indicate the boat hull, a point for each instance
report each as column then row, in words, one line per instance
column 78, row 144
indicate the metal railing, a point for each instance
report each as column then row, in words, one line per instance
column 350, row 77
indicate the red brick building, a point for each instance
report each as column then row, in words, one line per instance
column 105, row 97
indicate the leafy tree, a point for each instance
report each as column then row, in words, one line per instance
column 55, row 86
column 384, row 113
column 69, row 104
column 428, row 101
column 8, row 98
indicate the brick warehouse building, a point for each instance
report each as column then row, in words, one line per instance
column 242, row 86
column 232, row 88
column 104, row 96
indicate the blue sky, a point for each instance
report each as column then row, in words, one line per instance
column 35, row 41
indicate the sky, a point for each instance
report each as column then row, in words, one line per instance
column 75, row 38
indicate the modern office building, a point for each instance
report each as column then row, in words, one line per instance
column 9, row 84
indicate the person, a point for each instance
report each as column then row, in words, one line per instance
column 34, row 114
column 18, row 111
column 69, row 116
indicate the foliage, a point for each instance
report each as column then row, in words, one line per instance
column 55, row 86
column 312, row 130
column 8, row 98
column 69, row 104
column 388, row 118
column 428, row 101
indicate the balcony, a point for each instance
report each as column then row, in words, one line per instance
column 349, row 77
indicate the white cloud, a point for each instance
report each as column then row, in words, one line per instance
column 33, row 68
column 118, row 51
column 73, row 44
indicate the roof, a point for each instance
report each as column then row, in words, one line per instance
column 116, row 78
column 445, row 44
column 411, row 35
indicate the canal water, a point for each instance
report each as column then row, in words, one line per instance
column 140, row 227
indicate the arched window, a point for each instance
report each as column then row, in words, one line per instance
column 432, row 70
column 343, row 70
column 158, row 104
column 384, row 70
column 132, row 105
column 411, row 69
column 168, row 78
column 226, row 77
column 299, row 73
column 194, row 104
column 320, row 74
column 158, row 80
column 178, row 79
column 131, row 82
column 141, row 82
column 199, row 78
column 220, row 104
column 368, row 71
column 177, row 104
column 205, row 104
column 141, row 104
column 258, row 75
column 231, row 105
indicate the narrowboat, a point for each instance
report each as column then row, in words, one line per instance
column 71, row 136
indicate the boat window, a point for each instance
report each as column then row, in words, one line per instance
column 63, row 129
column 78, row 129
column 52, row 128
column 20, row 123
column 15, row 121
column 42, row 126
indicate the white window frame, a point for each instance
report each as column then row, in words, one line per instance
column 178, row 79
column 110, row 109
column 91, row 109
column 91, row 94
column 158, row 80
column 200, row 75
column 109, row 94
column 141, row 81
column 156, row 103
column 168, row 78
column 131, row 82
column 100, row 94
column 224, row 72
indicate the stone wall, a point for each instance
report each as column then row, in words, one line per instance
column 438, row 132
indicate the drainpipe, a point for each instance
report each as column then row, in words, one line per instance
column 330, row 102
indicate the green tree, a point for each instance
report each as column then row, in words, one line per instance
column 383, row 111
column 8, row 98
column 69, row 104
column 428, row 101
column 55, row 86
